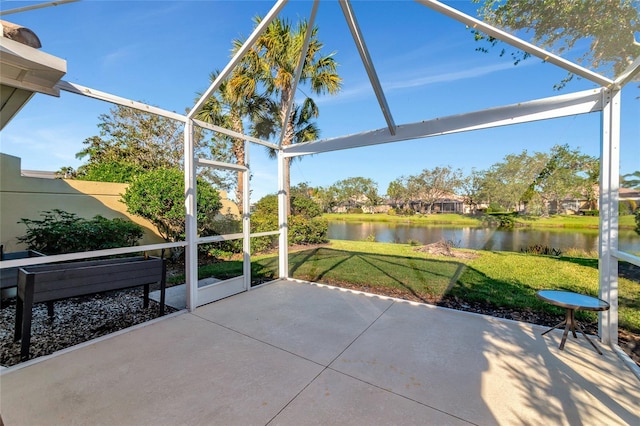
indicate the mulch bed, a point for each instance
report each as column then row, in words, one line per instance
column 76, row 320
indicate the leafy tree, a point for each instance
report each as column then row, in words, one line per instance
column 66, row 172
column 397, row 192
column 567, row 173
column 471, row 189
column 158, row 196
column 273, row 61
column 558, row 25
column 132, row 142
column 432, row 185
column 327, row 198
column 116, row 170
column 506, row 183
column 357, row 192
column 302, row 202
column 60, row 232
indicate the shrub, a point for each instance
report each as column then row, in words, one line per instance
column 110, row 171
column 61, row 232
column 305, row 227
column 158, row 196
column 638, row 222
column 303, row 230
column 371, row 238
column 228, row 224
column 501, row 220
column 402, row 212
column 304, row 206
column 354, row 210
column 540, row 249
column 495, row 208
column 626, row 207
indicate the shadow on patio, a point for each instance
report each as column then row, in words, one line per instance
column 297, row 353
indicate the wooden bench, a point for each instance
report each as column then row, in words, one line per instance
column 48, row 283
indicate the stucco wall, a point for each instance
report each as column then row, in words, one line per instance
column 27, row 197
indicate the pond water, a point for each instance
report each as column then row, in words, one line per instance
column 479, row 238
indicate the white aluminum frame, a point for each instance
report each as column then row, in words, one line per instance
column 605, row 100
column 542, row 109
column 608, row 203
column 358, row 38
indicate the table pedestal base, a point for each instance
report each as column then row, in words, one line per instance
column 570, row 323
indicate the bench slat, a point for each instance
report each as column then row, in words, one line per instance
column 136, row 273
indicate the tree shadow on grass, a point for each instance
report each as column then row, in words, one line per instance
column 427, row 280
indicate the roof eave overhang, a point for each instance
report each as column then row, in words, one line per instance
column 24, row 67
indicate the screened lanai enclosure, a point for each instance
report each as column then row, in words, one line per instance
column 433, row 123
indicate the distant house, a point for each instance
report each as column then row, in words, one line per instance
column 576, row 205
column 631, row 196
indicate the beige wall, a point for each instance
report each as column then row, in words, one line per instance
column 26, row 197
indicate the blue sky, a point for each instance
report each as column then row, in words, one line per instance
column 161, row 53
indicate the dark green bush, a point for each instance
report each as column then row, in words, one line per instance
column 61, row 232
column 495, row 208
column 401, row 212
column 158, row 196
column 228, row 224
column 308, row 231
column 626, row 207
column 305, row 225
column 590, row 212
column 540, row 249
column 501, row 220
column 304, row 206
column 638, row 222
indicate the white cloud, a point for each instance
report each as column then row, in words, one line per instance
column 446, row 77
column 402, row 80
column 122, row 54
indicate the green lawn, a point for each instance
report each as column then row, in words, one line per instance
column 502, row 279
column 555, row 221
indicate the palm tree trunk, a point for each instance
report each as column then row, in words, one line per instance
column 286, row 141
column 238, row 153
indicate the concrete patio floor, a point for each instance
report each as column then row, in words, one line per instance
column 292, row 353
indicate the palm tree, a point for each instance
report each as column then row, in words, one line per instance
column 630, row 180
column 235, row 100
column 273, row 61
column 301, row 127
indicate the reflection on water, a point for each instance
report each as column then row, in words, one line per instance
column 479, row 238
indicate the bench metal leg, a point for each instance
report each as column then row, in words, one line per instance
column 24, row 314
column 146, row 296
column 17, row 332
